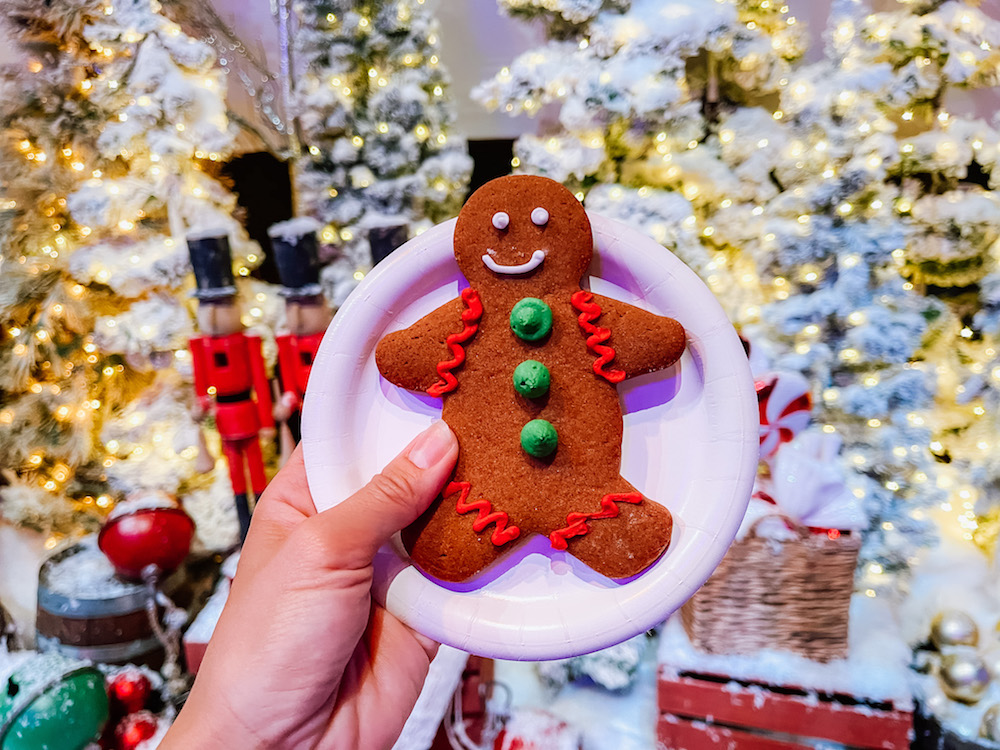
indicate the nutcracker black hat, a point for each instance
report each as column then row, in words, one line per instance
column 297, row 254
column 212, row 261
column 384, row 238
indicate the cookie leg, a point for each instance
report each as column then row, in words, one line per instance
column 459, row 535
column 621, row 535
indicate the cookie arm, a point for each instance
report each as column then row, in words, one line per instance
column 643, row 342
column 409, row 358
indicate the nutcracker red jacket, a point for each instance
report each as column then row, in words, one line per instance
column 233, row 366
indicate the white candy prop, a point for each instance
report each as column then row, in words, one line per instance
column 807, row 484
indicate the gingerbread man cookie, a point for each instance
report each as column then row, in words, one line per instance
column 527, row 364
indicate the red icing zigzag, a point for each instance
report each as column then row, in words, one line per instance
column 470, row 324
column 502, row 533
column 589, row 312
column 576, row 523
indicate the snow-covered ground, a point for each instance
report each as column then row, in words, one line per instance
column 955, row 575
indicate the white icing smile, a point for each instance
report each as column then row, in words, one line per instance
column 529, row 265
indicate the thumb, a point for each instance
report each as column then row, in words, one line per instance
column 354, row 530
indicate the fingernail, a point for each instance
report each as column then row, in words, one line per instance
column 431, row 445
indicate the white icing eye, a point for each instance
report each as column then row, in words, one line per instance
column 501, row 220
column 540, row 217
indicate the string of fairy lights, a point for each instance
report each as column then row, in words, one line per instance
column 958, row 510
column 353, row 84
column 54, row 235
column 65, row 376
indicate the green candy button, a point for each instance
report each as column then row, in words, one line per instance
column 539, row 438
column 531, row 319
column 531, row 379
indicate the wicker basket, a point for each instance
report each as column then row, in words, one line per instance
column 766, row 594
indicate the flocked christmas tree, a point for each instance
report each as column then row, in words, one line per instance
column 376, row 122
column 942, row 184
column 797, row 192
column 946, row 200
column 105, row 131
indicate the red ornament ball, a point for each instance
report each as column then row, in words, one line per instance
column 135, row 729
column 147, row 529
column 129, row 692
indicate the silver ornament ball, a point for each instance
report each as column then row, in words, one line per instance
column 952, row 627
column 991, row 657
column 990, row 728
column 963, row 676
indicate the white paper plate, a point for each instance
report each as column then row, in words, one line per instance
column 690, row 442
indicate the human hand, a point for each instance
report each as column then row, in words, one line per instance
column 302, row 657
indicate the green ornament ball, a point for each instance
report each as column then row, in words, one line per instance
column 531, row 319
column 531, row 379
column 539, row 438
column 52, row 702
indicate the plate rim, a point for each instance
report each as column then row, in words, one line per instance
column 608, row 235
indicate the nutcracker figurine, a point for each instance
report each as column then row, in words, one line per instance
column 229, row 365
column 306, row 316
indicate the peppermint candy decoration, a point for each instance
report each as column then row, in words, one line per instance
column 785, row 402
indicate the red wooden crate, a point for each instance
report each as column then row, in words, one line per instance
column 478, row 675
column 193, row 655
column 699, row 712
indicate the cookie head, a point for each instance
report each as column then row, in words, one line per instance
column 523, row 230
